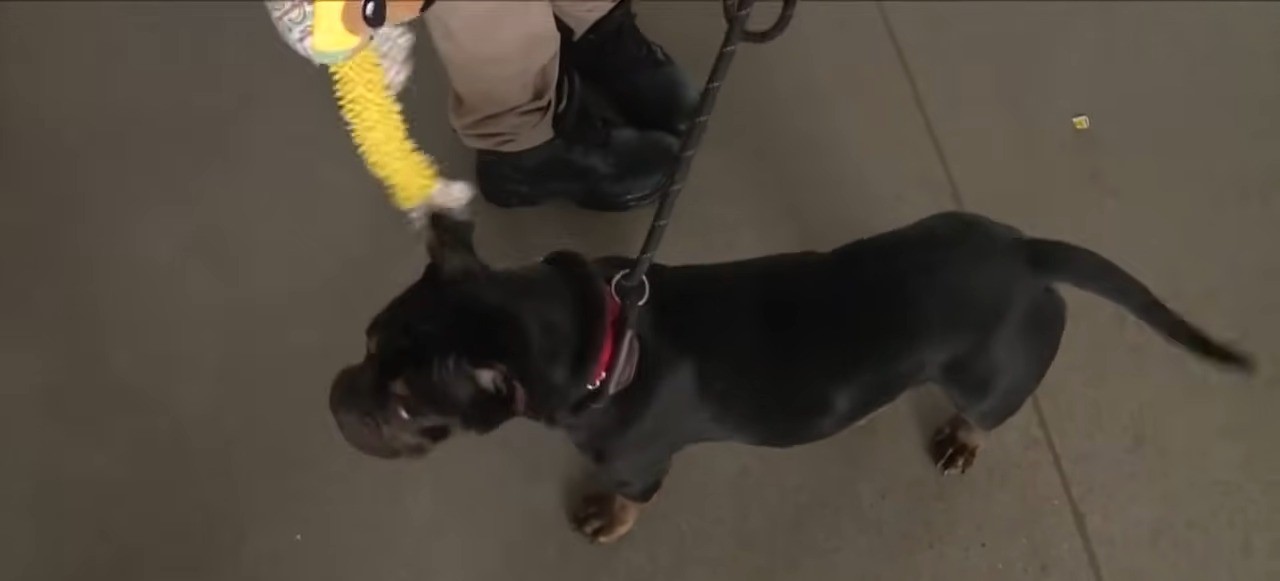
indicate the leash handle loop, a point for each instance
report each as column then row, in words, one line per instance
column 769, row 34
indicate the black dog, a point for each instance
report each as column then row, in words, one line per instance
column 775, row 351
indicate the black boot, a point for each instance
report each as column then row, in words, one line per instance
column 634, row 73
column 590, row 162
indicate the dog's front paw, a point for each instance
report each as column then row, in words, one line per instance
column 605, row 518
column 955, row 446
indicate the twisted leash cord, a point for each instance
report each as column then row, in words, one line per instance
column 631, row 288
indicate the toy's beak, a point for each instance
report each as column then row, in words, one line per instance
column 331, row 42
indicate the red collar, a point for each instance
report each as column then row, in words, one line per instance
column 609, row 343
column 608, row 350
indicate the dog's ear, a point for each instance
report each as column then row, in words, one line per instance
column 449, row 245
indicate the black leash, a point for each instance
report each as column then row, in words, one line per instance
column 630, row 287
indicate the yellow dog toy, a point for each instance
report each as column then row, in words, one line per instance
column 367, row 48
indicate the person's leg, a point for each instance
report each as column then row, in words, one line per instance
column 611, row 52
column 502, row 58
column 536, row 136
column 579, row 15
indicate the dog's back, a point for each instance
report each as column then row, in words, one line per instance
column 835, row 335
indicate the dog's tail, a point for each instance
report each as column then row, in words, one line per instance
column 1092, row 272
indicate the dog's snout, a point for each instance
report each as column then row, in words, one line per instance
column 352, row 402
column 351, row 391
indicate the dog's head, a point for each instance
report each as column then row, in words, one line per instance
column 455, row 352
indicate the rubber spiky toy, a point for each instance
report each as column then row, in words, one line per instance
column 367, row 46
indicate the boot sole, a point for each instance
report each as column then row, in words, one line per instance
column 580, row 198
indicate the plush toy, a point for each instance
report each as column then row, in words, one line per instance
column 367, row 47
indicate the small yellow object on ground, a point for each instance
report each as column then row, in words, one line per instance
column 1081, row 122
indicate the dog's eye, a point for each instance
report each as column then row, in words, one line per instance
column 435, row 433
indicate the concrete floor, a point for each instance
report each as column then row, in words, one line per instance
column 191, row 249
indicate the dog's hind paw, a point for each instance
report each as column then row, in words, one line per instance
column 605, row 518
column 955, row 446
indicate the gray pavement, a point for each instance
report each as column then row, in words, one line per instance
column 191, row 249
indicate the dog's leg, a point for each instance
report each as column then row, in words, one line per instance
column 605, row 517
column 990, row 386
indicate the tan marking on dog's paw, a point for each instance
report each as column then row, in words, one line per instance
column 955, row 446
column 605, row 518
